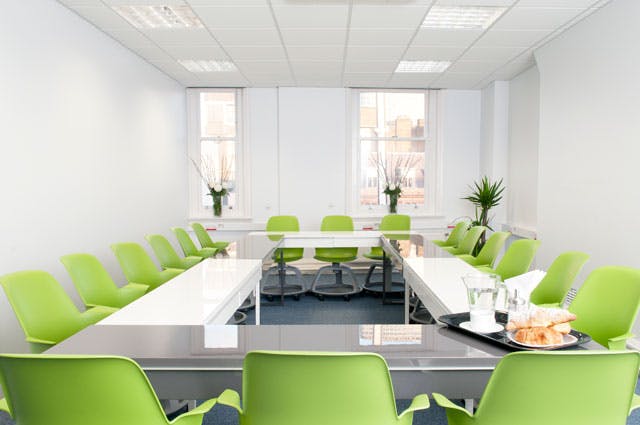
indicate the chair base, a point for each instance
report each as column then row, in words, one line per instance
column 239, row 318
column 336, row 289
column 288, row 289
column 248, row 304
column 421, row 315
column 377, row 287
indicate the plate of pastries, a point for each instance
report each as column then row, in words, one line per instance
column 542, row 328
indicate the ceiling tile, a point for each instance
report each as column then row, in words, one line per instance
column 512, row 69
column 180, row 36
column 254, row 37
column 153, row 54
column 325, row 82
column 225, row 2
column 103, row 17
column 380, row 36
column 392, row 16
column 394, row 2
column 72, row 3
column 310, row 37
column 452, row 80
column 316, row 69
column 478, row 67
column 256, row 52
column 311, row 16
column 235, row 16
column 386, row 67
column 500, row 3
column 144, row 2
column 442, row 53
column 263, row 67
column 493, row 54
column 505, row 38
column 130, row 38
column 557, row 3
column 374, row 53
column 331, row 53
column 222, row 79
column 364, row 79
column 533, row 18
column 418, row 80
column 445, row 37
column 196, row 52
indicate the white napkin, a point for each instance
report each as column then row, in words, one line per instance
column 524, row 283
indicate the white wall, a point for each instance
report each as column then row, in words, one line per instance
column 589, row 132
column 524, row 112
column 93, row 146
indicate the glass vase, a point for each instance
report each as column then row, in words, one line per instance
column 217, row 203
column 393, row 203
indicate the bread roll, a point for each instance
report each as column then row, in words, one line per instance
column 538, row 336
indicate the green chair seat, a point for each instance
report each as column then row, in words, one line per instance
column 318, row 389
column 489, row 252
column 468, row 243
column 554, row 388
column 455, row 236
column 516, row 260
column 138, row 267
column 95, row 286
column 168, row 257
column 83, row 390
column 606, row 305
column 205, row 239
column 189, row 248
column 555, row 285
column 44, row 310
column 336, row 255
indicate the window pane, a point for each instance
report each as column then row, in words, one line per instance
column 218, row 166
column 392, row 114
column 218, row 114
column 399, row 163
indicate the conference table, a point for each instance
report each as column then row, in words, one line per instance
column 190, row 354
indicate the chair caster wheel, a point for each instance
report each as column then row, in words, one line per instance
column 347, row 297
column 269, row 298
column 296, row 297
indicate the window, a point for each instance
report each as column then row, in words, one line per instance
column 395, row 146
column 215, row 151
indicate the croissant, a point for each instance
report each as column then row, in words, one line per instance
column 543, row 317
column 538, row 336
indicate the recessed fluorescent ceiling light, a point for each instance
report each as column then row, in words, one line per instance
column 159, row 17
column 422, row 66
column 207, row 65
column 462, row 17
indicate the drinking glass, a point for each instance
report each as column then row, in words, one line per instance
column 482, row 291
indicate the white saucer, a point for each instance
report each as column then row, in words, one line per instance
column 495, row 328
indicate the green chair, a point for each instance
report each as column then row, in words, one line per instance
column 555, row 388
column 83, row 390
column 336, row 256
column 489, row 252
column 555, row 285
column 189, row 248
column 516, row 260
column 467, row 243
column 606, row 305
column 314, row 388
column 205, row 239
column 95, row 286
column 455, row 236
column 138, row 267
column 282, row 257
column 168, row 257
column 390, row 222
column 45, row 312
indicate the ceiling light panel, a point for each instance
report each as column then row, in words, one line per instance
column 422, row 66
column 194, row 65
column 159, row 17
column 462, row 17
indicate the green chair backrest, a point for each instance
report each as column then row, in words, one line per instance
column 285, row 223
column 457, row 234
column 136, row 264
column 78, row 390
column 606, row 304
column 336, row 223
column 534, row 388
column 492, row 247
column 187, row 245
column 390, row 222
column 316, row 389
column 165, row 253
column 518, row 258
column 202, row 235
column 556, row 283
column 91, row 279
column 43, row 308
column 470, row 240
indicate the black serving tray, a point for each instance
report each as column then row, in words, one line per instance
column 500, row 338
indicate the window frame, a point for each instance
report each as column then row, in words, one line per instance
column 432, row 205
column 241, row 188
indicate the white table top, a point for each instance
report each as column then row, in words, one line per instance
column 208, row 293
column 315, row 239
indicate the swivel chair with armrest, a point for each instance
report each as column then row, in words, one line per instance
column 95, row 286
column 516, row 260
column 336, row 256
column 555, row 285
column 205, row 239
column 168, row 257
column 138, row 267
column 455, row 236
column 468, row 242
column 45, row 312
column 489, row 252
column 189, row 248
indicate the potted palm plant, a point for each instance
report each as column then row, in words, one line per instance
column 484, row 195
